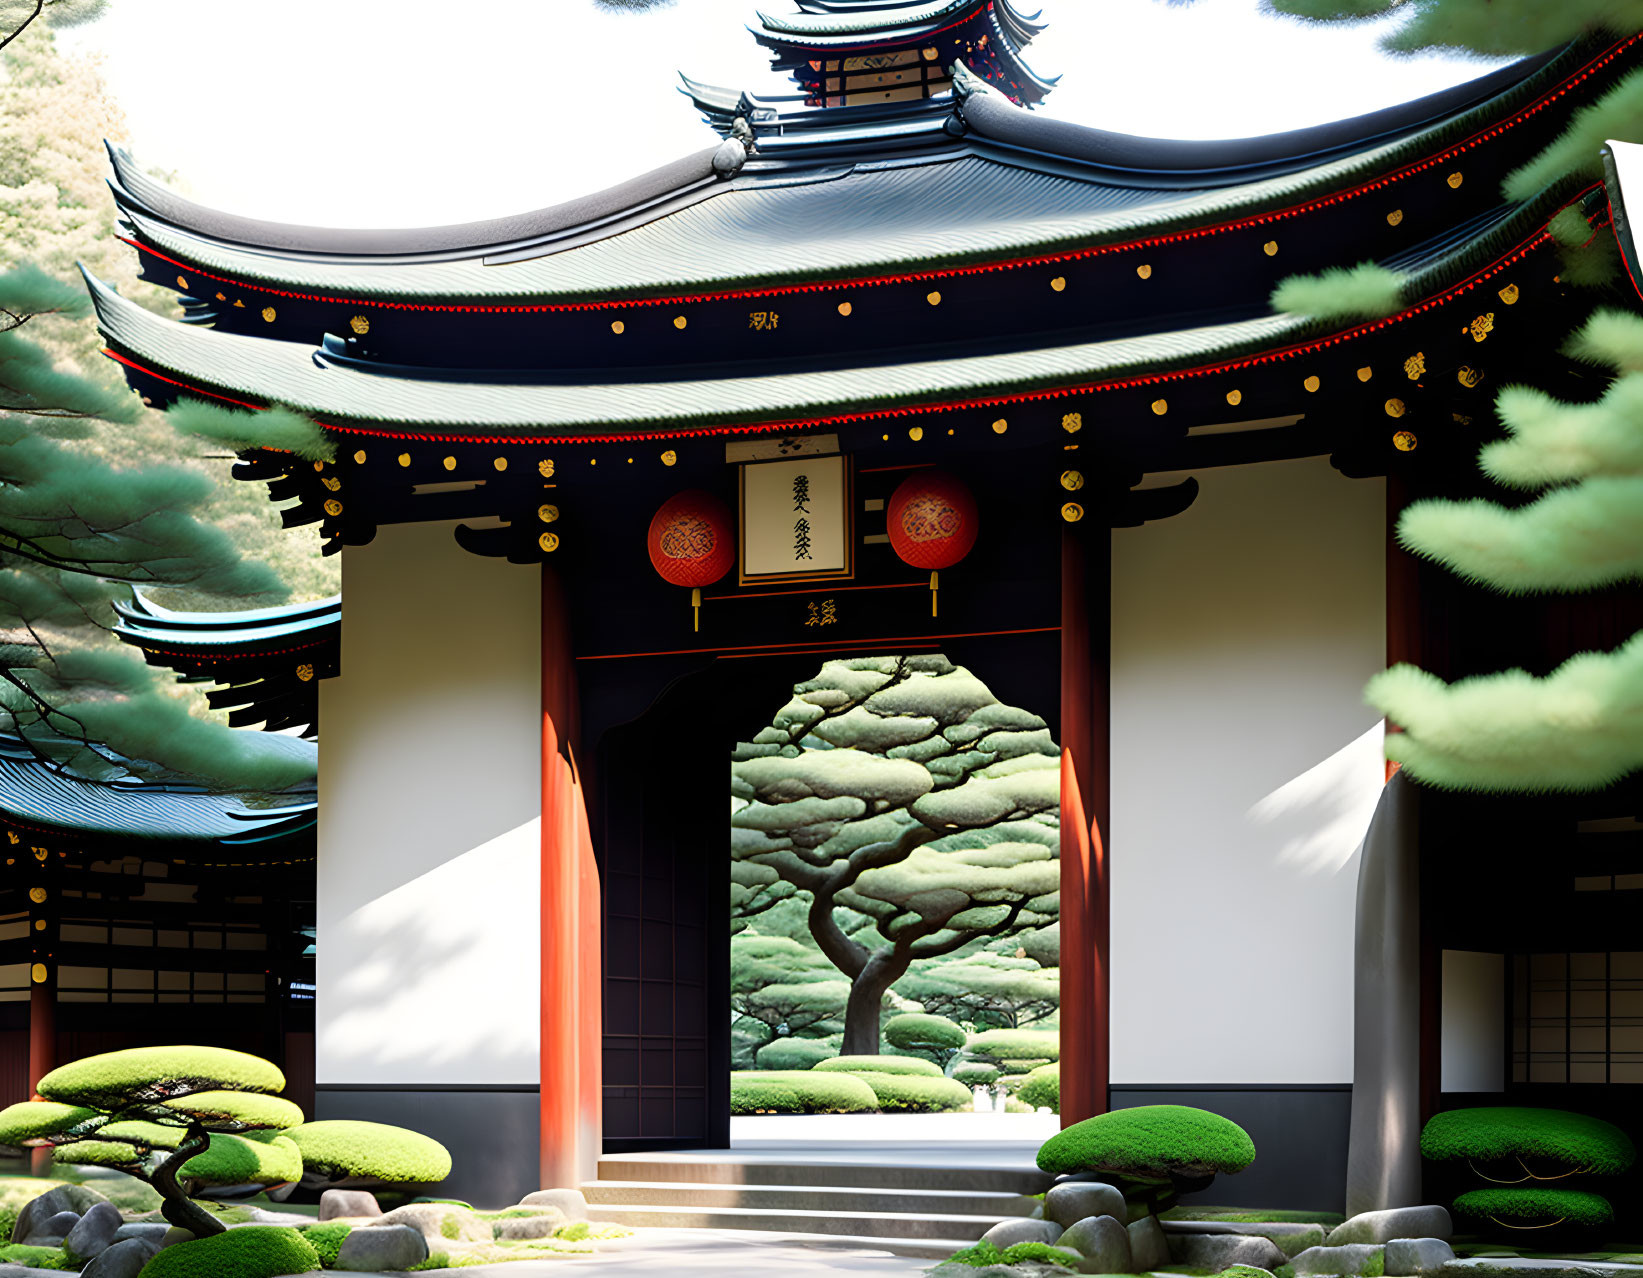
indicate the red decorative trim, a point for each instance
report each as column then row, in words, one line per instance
column 794, row 425
column 980, row 268
column 228, row 656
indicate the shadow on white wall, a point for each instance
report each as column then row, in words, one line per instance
column 1318, row 818
column 446, row 986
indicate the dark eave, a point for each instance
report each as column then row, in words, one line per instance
column 259, row 372
column 147, row 625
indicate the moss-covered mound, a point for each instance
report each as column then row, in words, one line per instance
column 254, row 1251
column 985, row 1253
column 326, row 1240
column 1017, row 1045
column 1518, row 1207
column 880, row 1065
column 921, row 1032
column 1574, row 1141
column 916, row 1093
column 358, row 1153
column 31, row 1121
column 1042, row 1088
column 1150, row 1141
column 793, row 1053
column 810, row 1091
column 115, row 1078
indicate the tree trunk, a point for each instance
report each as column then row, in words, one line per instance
column 861, row 1013
column 175, row 1205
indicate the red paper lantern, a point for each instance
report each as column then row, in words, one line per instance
column 932, row 522
column 692, row 543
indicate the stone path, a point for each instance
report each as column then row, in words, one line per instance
column 717, row 1252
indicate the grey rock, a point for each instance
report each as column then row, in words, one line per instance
column 957, row 1269
column 729, row 158
column 1149, row 1246
column 378, row 1247
column 124, row 1259
column 1216, row 1252
column 1037, row 1213
column 23, row 1271
column 51, row 1231
column 348, row 1202
column 1348, row 1258
column 569, row 1201
column 529, row 1226
column 1405, row 1256
column 1292, row 1238
column 65, row 1198
column 1007, row 1233
column 1103, row 1242
column 1395, row 1222
column 1073, row 1201
column 154, row 1229
column 96, row 1230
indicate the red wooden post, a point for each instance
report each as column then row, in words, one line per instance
column 570, row 921
column 1085, row 809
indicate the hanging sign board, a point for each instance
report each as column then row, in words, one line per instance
column 796, row 522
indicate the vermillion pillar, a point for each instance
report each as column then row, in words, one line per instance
column 1086, row 594
column 571, row 963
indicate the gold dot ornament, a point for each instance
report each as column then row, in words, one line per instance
column 359, row 457
column 1454, row 180
column 845, row 308
column 404, row 459
column 1365, row 373
column 37, row 895
column 915, row 433
column 449, row 463
column 547, row 514
column 933, row 297
column 1072, row 480
column 1144, row 271
column 1396, row 408
column 360, row 324
column 268, row 314
column 38, row 973
column 182, row 281
column 679, row 321
column 1270, row 248
column 1509, row 294
column 549, row 541
column 670, row 458
column 1072, row 512
column 1000, row 426
column 545, row 467
column 1404, row 441
column 1482, row 326
column 1394, row 217
column 1312, row 383
column 305, row 672
column 1160, row 406
column 1414, row 367
column 618, row 327
column 1059, row 283
column 501, row 463
column 1072, row 423
column 333, row 507
column 1468, row 376
column 1235, row 397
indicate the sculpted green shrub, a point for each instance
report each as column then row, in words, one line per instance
column 1515, row 1207
column 1042, row 1088
column 880, row 1065
column 916, row 1093
column 793, row 1053
column 347, row 1154
column 934, row 1037
column 253, row 1251
column 799, row 1092
column 1037, row 1046
column 1152, row 1152
column 183, row 1119
column 1529, row 1156
column 975, row 1074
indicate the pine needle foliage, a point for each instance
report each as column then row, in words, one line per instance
column 1365, row 291
column 1515, row 28
column 1579, row 728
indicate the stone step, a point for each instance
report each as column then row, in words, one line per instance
column 716, row 1169
column 990, row 1204
column 886, row 1227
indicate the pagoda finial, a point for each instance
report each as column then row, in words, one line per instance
column 860, row 52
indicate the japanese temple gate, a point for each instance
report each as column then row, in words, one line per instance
column 1183, row 562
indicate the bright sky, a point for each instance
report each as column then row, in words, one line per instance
column 409, row 112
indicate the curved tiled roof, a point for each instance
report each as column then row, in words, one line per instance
column 145, row 624
column 33, row 794
column 809, row 205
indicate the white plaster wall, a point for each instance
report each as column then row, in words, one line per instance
column 429, row 849
column 1473, row 1033
column 1245, row 767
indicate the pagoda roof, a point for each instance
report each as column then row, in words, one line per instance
column 829, row 201
column 848, row 24
column 148, row 625
column 34, row 795
column 249, row 369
